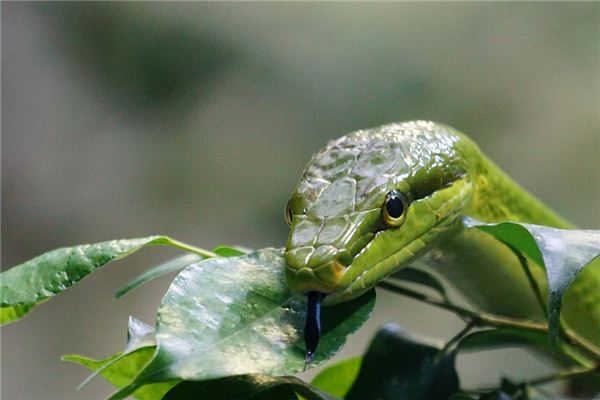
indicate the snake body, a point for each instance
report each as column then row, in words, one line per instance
column 344, row 238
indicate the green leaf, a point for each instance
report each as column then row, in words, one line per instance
column 236, row 316
column 14, row 313
column 338, row 378
column 139, row 335
column 421, row 277
column 397, row 366
column 27, row 285
column 120, row 370
column 174, row 265
column 246, row 387
column 562, row 253
column 231, row 251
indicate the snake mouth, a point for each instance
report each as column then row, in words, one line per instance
column 321, row 249
column 323, row 278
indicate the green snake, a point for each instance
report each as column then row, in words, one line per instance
column 375, row 201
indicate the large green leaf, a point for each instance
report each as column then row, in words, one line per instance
column 397, row 366
column 235, row 316
column 120, row 369
column 562, row 253
column 338, row 378
column 245, row 387
column 27, row 285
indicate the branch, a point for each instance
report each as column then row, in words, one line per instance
column 490, row 320
column 192, row 249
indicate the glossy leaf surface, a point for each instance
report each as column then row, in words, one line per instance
column 121, row 368
column 246, row 387
column 236, row 316
column 562, row 253
column 26, row 285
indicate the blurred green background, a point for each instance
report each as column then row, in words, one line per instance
column 195, row 120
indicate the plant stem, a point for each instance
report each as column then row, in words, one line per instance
column 575, row 339
column 468, row 328
column 534, row 285
column 564, row 374
column 480, row 318
column 192, row 249
column 490, row 320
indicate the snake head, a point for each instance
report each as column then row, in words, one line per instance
column 346, row 234
column 321, row 248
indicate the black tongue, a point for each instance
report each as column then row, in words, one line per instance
column 312, row 327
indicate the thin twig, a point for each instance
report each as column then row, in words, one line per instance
column 480, row 318
column 464, row 332
column 522, row 386
column 192, row 249
column 490, row 320
column 531, row 279
column 576, row 339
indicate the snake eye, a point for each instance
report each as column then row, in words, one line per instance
column 288, row 213
column 394, row 208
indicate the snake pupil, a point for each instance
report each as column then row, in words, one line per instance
column 394, row 207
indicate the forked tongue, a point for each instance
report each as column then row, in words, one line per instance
column 312, row 327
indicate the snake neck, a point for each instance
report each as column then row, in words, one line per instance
column 496, row 197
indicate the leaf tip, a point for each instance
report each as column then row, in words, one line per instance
column 123, row 392
column 68, row 357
